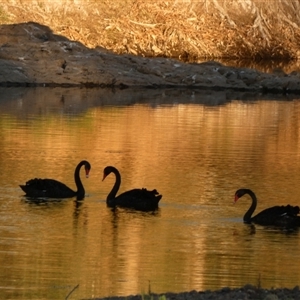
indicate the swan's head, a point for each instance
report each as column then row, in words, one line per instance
column 87, row 168
column 238, row 194
column 107, row 170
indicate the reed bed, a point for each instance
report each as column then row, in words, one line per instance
column 184, row 29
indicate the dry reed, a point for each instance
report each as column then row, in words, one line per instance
column 184, row 29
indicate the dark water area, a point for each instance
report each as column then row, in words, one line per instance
column 195, row 147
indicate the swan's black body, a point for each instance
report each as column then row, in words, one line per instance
column 139, row 199
column 281, row 216
column 51, row 188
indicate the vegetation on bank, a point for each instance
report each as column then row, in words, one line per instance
column 184, row 29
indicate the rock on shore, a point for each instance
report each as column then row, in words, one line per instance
column 32, row 55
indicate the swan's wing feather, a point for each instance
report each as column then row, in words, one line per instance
column 278, row 216
column 47, row 188
column 279, row 210
column 288, row 221
column 141, row 199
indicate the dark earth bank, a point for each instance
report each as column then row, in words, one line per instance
column 32, row 55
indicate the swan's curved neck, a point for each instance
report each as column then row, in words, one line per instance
column 80, row 188
column 114, row 190
column 250, row 211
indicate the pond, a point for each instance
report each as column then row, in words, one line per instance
column 196, row 148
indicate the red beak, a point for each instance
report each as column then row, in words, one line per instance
column 236, row 198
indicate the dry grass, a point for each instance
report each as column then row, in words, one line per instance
column 184, row 29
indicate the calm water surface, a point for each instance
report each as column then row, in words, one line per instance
column 197, row 155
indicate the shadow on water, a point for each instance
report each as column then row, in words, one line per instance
column 41, row 201
column 116, row 211
column 25, row 101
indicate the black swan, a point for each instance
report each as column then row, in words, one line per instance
column 139, row 199
column 282, row 216
column 51, row 188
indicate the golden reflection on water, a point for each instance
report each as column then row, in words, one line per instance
column 195, row 155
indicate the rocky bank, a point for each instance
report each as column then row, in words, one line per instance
column 32, row 55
